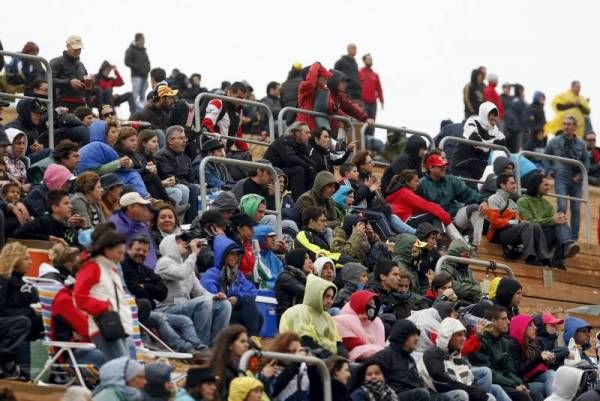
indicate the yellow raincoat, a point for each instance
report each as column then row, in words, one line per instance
column 568, row 97
column 240, row 387
column 310, row 319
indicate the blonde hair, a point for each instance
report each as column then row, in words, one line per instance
column 12, row 254
column 60, row 254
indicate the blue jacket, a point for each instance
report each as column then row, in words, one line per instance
column 340, row 196
column 211, row 280
column 98, row 153
column 267, row 256
column 556, row 147
column 130, row 229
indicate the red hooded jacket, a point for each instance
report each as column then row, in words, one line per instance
column 307, row 90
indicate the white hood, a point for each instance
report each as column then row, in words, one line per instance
column 320, row 262
column 484, row 112
column 448, row 328
column 566, row 383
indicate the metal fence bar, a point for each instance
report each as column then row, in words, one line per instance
column 235, row 100
column 228, row 138
column 478, row 262
column 49, row 101
column 309, row 360
column 365, row 126
column 243, row 163
column 585, row 184
column 474, row 143
column 286, row 110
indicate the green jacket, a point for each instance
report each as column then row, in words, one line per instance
column 403, row 255
column 536, row 209
column 450, row 193
column 464, row 284
column 495, row 354
column 356, row 246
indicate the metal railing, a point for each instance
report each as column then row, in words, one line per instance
column 469, row 261
column 585, row 184
column 263, row 106
column 243, row 163
column 309, row 360
column 286, row 110
column 49, row 101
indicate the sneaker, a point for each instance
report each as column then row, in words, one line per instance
column 572, row 249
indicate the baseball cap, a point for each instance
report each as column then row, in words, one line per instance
column 436, row 161
column 548, row 318
column 164, row 90
column 75, row 42
column 109, row 181
column 132, row 198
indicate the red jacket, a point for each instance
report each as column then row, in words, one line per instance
column 307, row 90
column 109, row 83
column 247, row 261
column 341, row 103
column 64, row 306
column 371, row 85
column 490, row 94
column 405, row 203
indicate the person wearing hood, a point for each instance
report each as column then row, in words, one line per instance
column 374, row 385
column 267, row 238
column 578, row 332
column 341, row 102
column 226, row 278
column 243, row 229
column 490, row 94
column 531, row 362
column 356, row 238
column 209, row 310
column 311, row 321
column 468, row 160
column 218, row 177
column 100, row 157
column 14, row 158
column 428, row 320
column 568, row 179
column 106, row 83
column 473, row 93
column 354, row 277
column 509, row 294
column 313, row 94
column 68, row 75
column 360, row 327
column 200, row 385
column 548, row 333
column 570, row 103
column 410, row 159
column 537, row 115
column 463, row 282
column 508, row 228
column 569, row 385
column 320, row 195
column 159, row 386
column 28, row 119
column 312, row 235
column 517, row 119
column 444, row 369
column 343, row 200
column 291, row 283
column 120, row 379
column 534, row 208
column 136, row 58
column 501, row 165
column 320, row 151
column 325, row 268
column 418, row 254
column 245, row 389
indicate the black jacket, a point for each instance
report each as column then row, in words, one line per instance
column 314, row 238
column 348, row 66
column 408, row 160
column 538, row 117
column 323, row 158
column 16, row 296
column 24, row 123
column 156, row 117
column 289, row 288
column 142, row 282
column 136, row 58
column 64, row 69
column 287, row 152
column 524, row 365
column 179, row 165
column 248, row 186
column 43, row 227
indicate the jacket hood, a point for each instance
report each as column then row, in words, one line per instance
column 424, row 230
column 296, row 258
column 315, row 288
column 448, row 328
column 403, row 248
column 457, row 246
column 572, row 324
column 340, row 196
column 501, row 163
column 98, row 131
column 505, row 291
column 249, row 204
column 352, row 272
column 484, row 112
column 534, row 182
column 401, row 330
column 261, row 232
column 222, row 245
column 566, row 383
column 349, row 222
column 112, row 375
column 444, row 308
column 360, row 299
column 157, row 374
column 537, row 96
column 323, row 179
column 518, row 327
column 413, row 144
column 24, row 109
column 335, row 79
column 241, row 386
column 168, row 248
column 12, row 134
column 320, row 262
column 225, row 201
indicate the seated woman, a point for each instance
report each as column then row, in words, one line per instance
column 87, row 198
column 229, row 347
column 255, row 206
column 343, row 200
column 290, row 285
column 324, row 268
column 267, row 240
column 100, row 157
column 373, row 386
column 63, row 263
column 360, row 327
column 165, row 222
column 225, row 277
column 311, row 321
column 112, row 188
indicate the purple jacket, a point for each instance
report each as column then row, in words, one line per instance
column 131, row 228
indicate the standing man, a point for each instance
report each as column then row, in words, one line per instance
column 567, row 177
column 68, row 75
column 348, row 65
column 136, row 58
column 371, row 88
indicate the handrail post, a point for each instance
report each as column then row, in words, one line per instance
column 243, row 163
column 365, row 126
column 469, row 261
column 50, row 82
column 309, row 360
column 344, row 119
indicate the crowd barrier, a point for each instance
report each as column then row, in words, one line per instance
column 478, row 262
column 285, row 110
column 49, row 101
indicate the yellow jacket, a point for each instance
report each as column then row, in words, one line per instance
column 568, row 97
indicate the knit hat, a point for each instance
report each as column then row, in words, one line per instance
column 225, row 201
column 445, row 308
column 424, row 230
column 56, row 175
column 296, row 258
column 352, row 271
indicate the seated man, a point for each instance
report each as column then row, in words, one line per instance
column 217, row 175
column 312, row 236
column 320, row 196
column 463, row 282
column 147, row 287
column 209, row 312
column 56, row 176
column 507, row 227
column 59, row 226
column 259, row 182
column 534, row 208
column 65, row 153
column 357, row 239
column 502, row 165
column 441, row 289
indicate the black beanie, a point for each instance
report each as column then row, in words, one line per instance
column 506, row 289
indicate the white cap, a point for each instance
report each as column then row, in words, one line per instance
column 132, row 198
column 75, row 42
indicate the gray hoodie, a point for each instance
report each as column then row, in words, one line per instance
column 178, row 275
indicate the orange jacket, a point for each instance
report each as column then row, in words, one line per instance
column 499, row 221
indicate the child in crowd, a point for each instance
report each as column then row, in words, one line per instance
column 15, row 214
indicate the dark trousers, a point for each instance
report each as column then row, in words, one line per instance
column 557, row 237
column 371, row 110
column 297, row 178
column 417, row 394
column 514, row 139
column 15, row 330
column 516, row 395
column 192, row 211
column 531, row 236
column 245, row 313
column 417, row 219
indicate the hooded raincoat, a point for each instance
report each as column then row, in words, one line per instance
column 113, row 386
column 563, row 105
column 566, row 384
column 267, row 256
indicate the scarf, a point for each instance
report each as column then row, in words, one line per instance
column 379, row 391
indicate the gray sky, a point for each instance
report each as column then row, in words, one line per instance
column 423, row 50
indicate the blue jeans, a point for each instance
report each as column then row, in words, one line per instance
column 209, row 317
column 543, row 383
column 90, row 356
column 176, row 330
column 566, row 186
column 115, row 349
column 483, row 377
column 139, row 87
column 455, row 395
column 179, row 193
column 399, row 226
